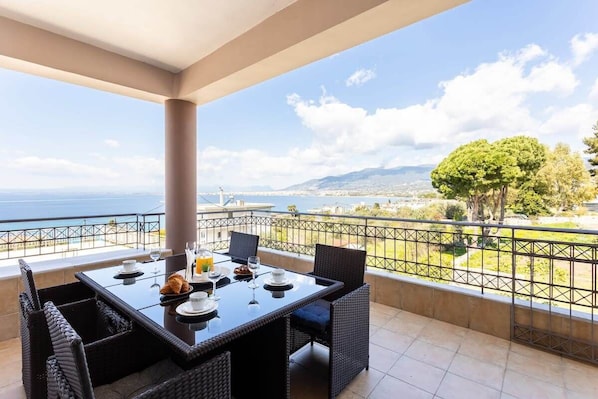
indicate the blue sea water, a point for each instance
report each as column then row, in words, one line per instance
column 18, row 206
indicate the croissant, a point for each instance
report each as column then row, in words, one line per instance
column 176, row 284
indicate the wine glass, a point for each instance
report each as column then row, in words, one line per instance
column 253, row 306
column 253, row 263
column 155, row 254
column 214, row 275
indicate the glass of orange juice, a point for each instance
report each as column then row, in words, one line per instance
column 204, row 261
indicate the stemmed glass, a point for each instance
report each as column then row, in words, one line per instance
column 155, row 255
column 253, row 263
column 253, row 306
column 214, row 275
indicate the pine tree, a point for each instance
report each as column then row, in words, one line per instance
column 592, row 143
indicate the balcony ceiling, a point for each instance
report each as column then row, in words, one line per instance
column 197, row 50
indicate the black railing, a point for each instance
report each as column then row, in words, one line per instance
column 549, row 273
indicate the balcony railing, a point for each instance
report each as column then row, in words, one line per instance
column 549, row 269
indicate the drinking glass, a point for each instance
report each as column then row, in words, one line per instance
column 214, row 275
column 155, row 255
column 253, row 263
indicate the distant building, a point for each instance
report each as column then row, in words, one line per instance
column 211, row 230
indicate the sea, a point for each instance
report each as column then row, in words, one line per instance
column 16, row 207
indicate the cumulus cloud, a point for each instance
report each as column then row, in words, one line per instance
column 491, row 101
column 594, row 90
column 570, row 122
column 582, row 46
column 112, row 143
column 63, row 167
column 360, row 77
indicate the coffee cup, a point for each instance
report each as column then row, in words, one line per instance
column 129, row 265
column 198, row 300
column 278, row 275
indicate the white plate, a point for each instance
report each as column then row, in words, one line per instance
column 123, row 272
column 201, row 278
column 269, row 281
column 185, row 309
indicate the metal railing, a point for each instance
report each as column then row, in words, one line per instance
column 548, row 270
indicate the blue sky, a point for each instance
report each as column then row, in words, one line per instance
column 488, row 69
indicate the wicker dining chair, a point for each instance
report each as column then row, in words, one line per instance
column 242, row 246
column 93, row 318
column 121, row 368
column 341, row 320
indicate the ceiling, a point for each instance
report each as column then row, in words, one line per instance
column 195, row 50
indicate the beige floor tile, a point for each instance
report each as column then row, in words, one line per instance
column 476, row 370
column 546, row 369
column 580, row 378
column 540, row 355
column 13, row 391
column 10, row 344
column 379, row 319
column 526, row 387
column 389, row 310
column 486, row 351
column 407, row 325
column 456, row 387
column 313, row 358
column 382, row 359
column 346, row 394
column 430, row 354
column 443, row 335
column 507, row 396
column 10, row 373
column 390, row 340
column 391, row 387
column 365, row 382
column 418, row 374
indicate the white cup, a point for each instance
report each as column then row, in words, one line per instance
column 278, row 275
column 129, row 265
column 198, row 300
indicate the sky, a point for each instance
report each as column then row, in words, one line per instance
column 487, row 69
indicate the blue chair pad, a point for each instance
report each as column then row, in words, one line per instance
column 315, row 316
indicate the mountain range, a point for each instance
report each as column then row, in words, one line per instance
column 404, row 179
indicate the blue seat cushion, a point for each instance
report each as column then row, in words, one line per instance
column 315, row 316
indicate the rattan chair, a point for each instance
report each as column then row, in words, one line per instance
column 120, row 367
column 93, row 318
column 242, row 246
column 339, row 321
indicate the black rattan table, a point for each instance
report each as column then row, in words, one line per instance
column 253, row 324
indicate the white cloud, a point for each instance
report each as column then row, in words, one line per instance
column 594, row 90
column 112, row 143
column 573, row 122
column 360, row 77
column 56, row 166
column 582, row 46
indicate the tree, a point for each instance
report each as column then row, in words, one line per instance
column 461, row 175
column 569, row 183
column 592, row 143
column 292, row 208
column 529, row 157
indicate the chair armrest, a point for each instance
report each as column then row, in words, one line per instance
column 349, row 340
column 211, row 379
column 121, row 354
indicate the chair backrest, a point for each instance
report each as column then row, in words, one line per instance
column 175, row 262
column 243, row 245
column 29, row 284
column 341, row 264
column 69, row 352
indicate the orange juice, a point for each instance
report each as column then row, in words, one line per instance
column 204, row 263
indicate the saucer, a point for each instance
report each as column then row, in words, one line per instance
column 123, row 272
column 185, row 309
column 273, row 283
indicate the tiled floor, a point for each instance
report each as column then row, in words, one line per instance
column 415, row 357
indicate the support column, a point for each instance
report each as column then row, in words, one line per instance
column 181, row 174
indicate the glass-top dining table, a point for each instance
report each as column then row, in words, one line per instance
column 253, row 324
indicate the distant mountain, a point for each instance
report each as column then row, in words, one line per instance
column 407, row 179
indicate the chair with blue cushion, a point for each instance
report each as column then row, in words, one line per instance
column 242, row 246
column 341, row 320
